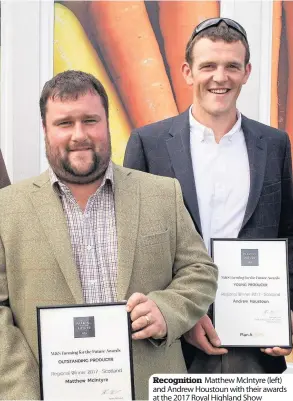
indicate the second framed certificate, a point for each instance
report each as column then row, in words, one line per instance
column 252, row 303
column 85, row 352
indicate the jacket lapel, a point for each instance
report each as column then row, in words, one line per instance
column 50, row 213
column 257, row 155
column 178, row 146
column 126, row 195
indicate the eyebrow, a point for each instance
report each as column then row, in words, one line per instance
column 203, row 63
column 236, row 63
column 70, row 117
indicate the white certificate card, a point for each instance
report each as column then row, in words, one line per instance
column 85, row 352
column 252, row 303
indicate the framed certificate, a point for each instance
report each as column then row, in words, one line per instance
column 252, row 307
column 85, row 352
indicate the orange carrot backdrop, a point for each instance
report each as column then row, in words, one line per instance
column 282, row 68
column 288, row 36
column 131, row 51
column 136, row 48
column 276, row 45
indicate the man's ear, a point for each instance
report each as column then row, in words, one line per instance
column 247, row 72
column 187, row 74
column 44, row 127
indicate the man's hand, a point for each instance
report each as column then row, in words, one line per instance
column 277, row 351
column 204, row 336
column 146, row 317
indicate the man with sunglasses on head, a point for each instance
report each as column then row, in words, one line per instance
column 235, row 174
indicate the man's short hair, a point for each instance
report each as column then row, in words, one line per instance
column 217, row 33
column 69, row 85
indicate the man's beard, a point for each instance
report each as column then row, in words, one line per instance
column 66, row 172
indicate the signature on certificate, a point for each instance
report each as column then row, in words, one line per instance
column 272, row 313
column 270, row 316
column 110, row 392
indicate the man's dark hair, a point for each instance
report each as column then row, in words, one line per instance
column 216, row 33
column 69, row 85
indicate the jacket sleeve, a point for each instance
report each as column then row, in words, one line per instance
column 286, row 218
column 19, row 379
column 134, row 154
column 4, row 179
column 193, row 288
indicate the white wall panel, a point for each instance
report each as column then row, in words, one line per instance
column 26, row 63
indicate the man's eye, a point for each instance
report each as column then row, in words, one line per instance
column 64, row 123
column 90, row 121
column 207, row 67
column 233, row 66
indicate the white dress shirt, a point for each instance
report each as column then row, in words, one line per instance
column 222, row 179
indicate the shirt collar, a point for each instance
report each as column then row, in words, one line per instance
column 202, row 132
column 62, row 188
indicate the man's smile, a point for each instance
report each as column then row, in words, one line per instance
column 219, row 91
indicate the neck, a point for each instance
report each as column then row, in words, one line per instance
column 82, row 193
column 219, row 124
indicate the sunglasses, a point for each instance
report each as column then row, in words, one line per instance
column 215, row 22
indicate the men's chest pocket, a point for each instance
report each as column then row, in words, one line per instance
column 152, row 239
column 271, row 193
column 270, row 205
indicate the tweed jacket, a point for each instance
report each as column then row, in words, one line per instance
column 159, row 254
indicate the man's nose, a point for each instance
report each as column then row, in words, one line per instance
column 220, row 75
column 79, row 132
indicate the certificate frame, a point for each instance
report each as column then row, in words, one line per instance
column 257, row 344
column 76, row 306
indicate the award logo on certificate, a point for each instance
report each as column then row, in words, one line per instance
column 252, row 303
column 85, row 352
